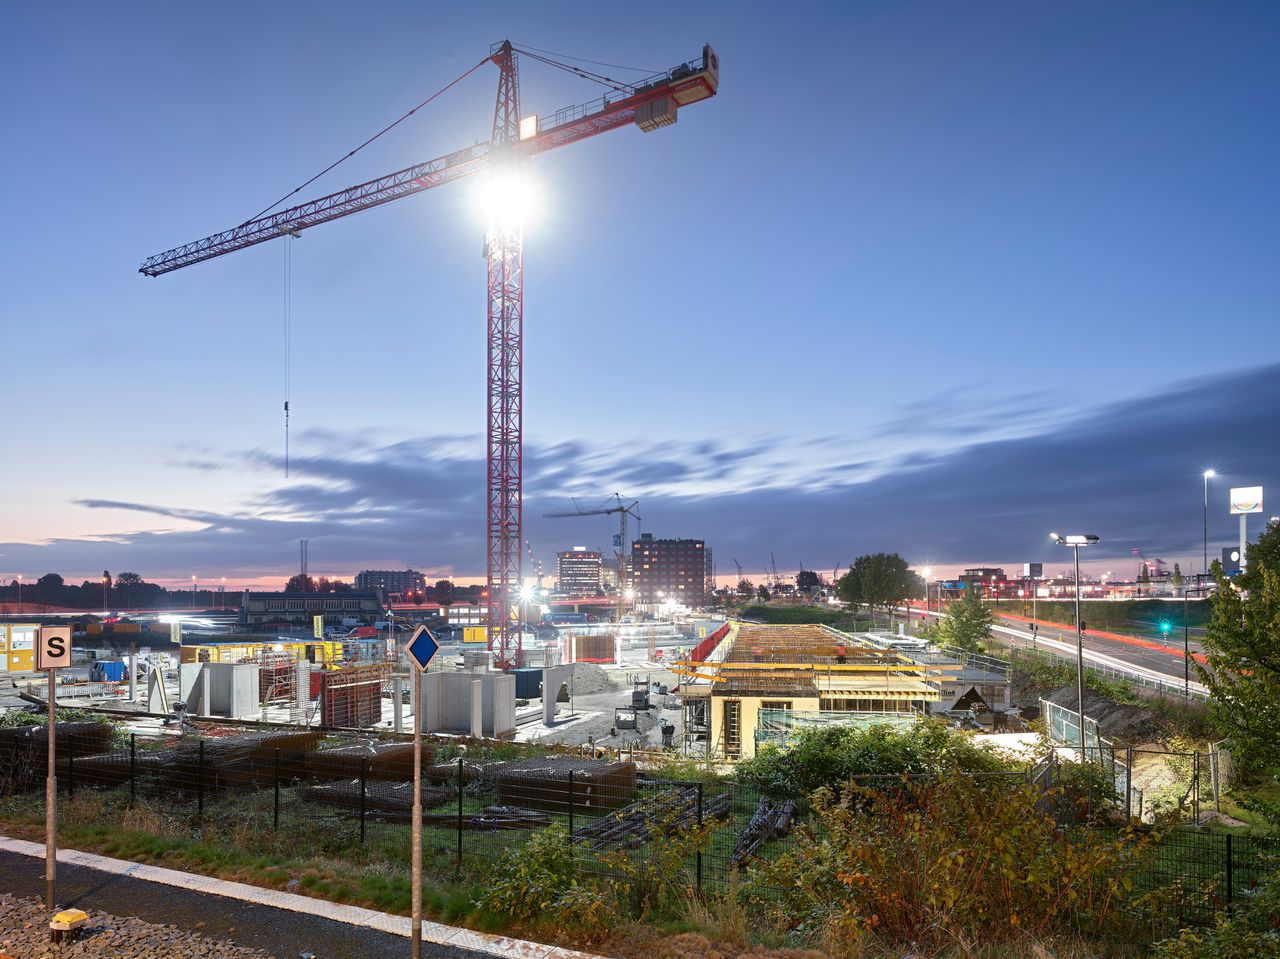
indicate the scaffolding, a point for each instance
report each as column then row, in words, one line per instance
column 757, row 669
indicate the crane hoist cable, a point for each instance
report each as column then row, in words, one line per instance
column 288, row 340
column 525, row 48
column 621, row 86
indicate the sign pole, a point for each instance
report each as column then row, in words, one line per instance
column 51, row 810
column 422, row 646
column 416, row 924
column 53, row 651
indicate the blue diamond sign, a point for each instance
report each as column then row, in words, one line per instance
column 422, row 647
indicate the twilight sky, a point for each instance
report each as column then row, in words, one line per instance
column 926, row 277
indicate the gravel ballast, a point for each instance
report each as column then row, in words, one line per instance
column 24, row 934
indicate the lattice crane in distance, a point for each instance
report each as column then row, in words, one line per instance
column 651, row 104
column 623, row 510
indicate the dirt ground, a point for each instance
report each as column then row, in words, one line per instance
column 596, row 692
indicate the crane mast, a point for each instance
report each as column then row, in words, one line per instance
column 504, row 246
column 651, row 104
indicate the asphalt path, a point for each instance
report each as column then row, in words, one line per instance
column 280, row 932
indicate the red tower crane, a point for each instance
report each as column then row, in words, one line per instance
column 650, row 104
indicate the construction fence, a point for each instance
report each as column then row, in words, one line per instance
column 302, row 792
column 1149, row 784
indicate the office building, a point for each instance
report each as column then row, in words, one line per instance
column 670, row 570
column 578, row 572
column 391, row 580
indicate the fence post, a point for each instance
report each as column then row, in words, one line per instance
column 1128, row 782
column 699, row 837
column 71, row 766
column 364, row 778
column 571, row 807
column 1231, row 889
column 200, row 781
column 133, row 766
column 275, row 813
column 1195, row 786
column 460, row 772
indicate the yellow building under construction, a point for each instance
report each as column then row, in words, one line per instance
column 757, row 680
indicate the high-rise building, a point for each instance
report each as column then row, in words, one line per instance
column 670, row 570
column 391, row 580
column 578, row 572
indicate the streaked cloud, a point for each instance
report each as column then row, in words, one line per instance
column 1129, row 472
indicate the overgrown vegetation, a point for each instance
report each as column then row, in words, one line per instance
column 1050, row 674
column 832, row 755
column 1134, row 617
column 1242, row 647
column 1252, row 931
column 957, row 860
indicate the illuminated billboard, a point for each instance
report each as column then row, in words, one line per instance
column 1246, row 499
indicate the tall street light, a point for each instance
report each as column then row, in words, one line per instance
column 1075, row 542
column 927, row 572
column 1208, row 475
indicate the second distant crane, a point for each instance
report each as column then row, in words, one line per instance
column 623, row 509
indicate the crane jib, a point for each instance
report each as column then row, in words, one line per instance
column 681, row 86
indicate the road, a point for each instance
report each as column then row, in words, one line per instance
column 1148, row 659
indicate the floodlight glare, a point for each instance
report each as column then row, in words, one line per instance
column 1209, row 474
column 507, row 197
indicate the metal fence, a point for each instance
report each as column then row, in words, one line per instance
column 1149, row 784
column 302, row 793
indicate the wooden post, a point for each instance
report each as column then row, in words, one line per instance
column 51, row 808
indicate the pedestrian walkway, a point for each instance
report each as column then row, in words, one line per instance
column 281, row 923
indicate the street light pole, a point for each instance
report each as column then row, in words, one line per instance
column 1208, row 474
column 1075, row 542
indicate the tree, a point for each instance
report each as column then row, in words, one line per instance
column 127, row 580
column 967, row 622
column 762, row 594
column 297, row 583
column 444, row 592
column 807, row 580
column 746, row 589
column 880, row 580
column 1176, row 579
column 1242, row 652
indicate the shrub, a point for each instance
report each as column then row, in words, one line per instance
column 936, row 863
column 539, row 882
column 832, row 755
column 1253, row 932
column 653, row 879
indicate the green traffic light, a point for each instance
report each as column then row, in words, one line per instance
column 1164, row 628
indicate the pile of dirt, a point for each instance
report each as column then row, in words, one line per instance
column 589, row 679
column 1117, row 723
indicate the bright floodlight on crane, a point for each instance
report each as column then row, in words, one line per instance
column 508, row 196
column 526, row 593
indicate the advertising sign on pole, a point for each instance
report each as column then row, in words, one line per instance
column 317, row 627
column 1246, row 499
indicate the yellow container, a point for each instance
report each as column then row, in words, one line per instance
column 475, row 634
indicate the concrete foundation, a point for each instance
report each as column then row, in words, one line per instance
column 449, row 701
